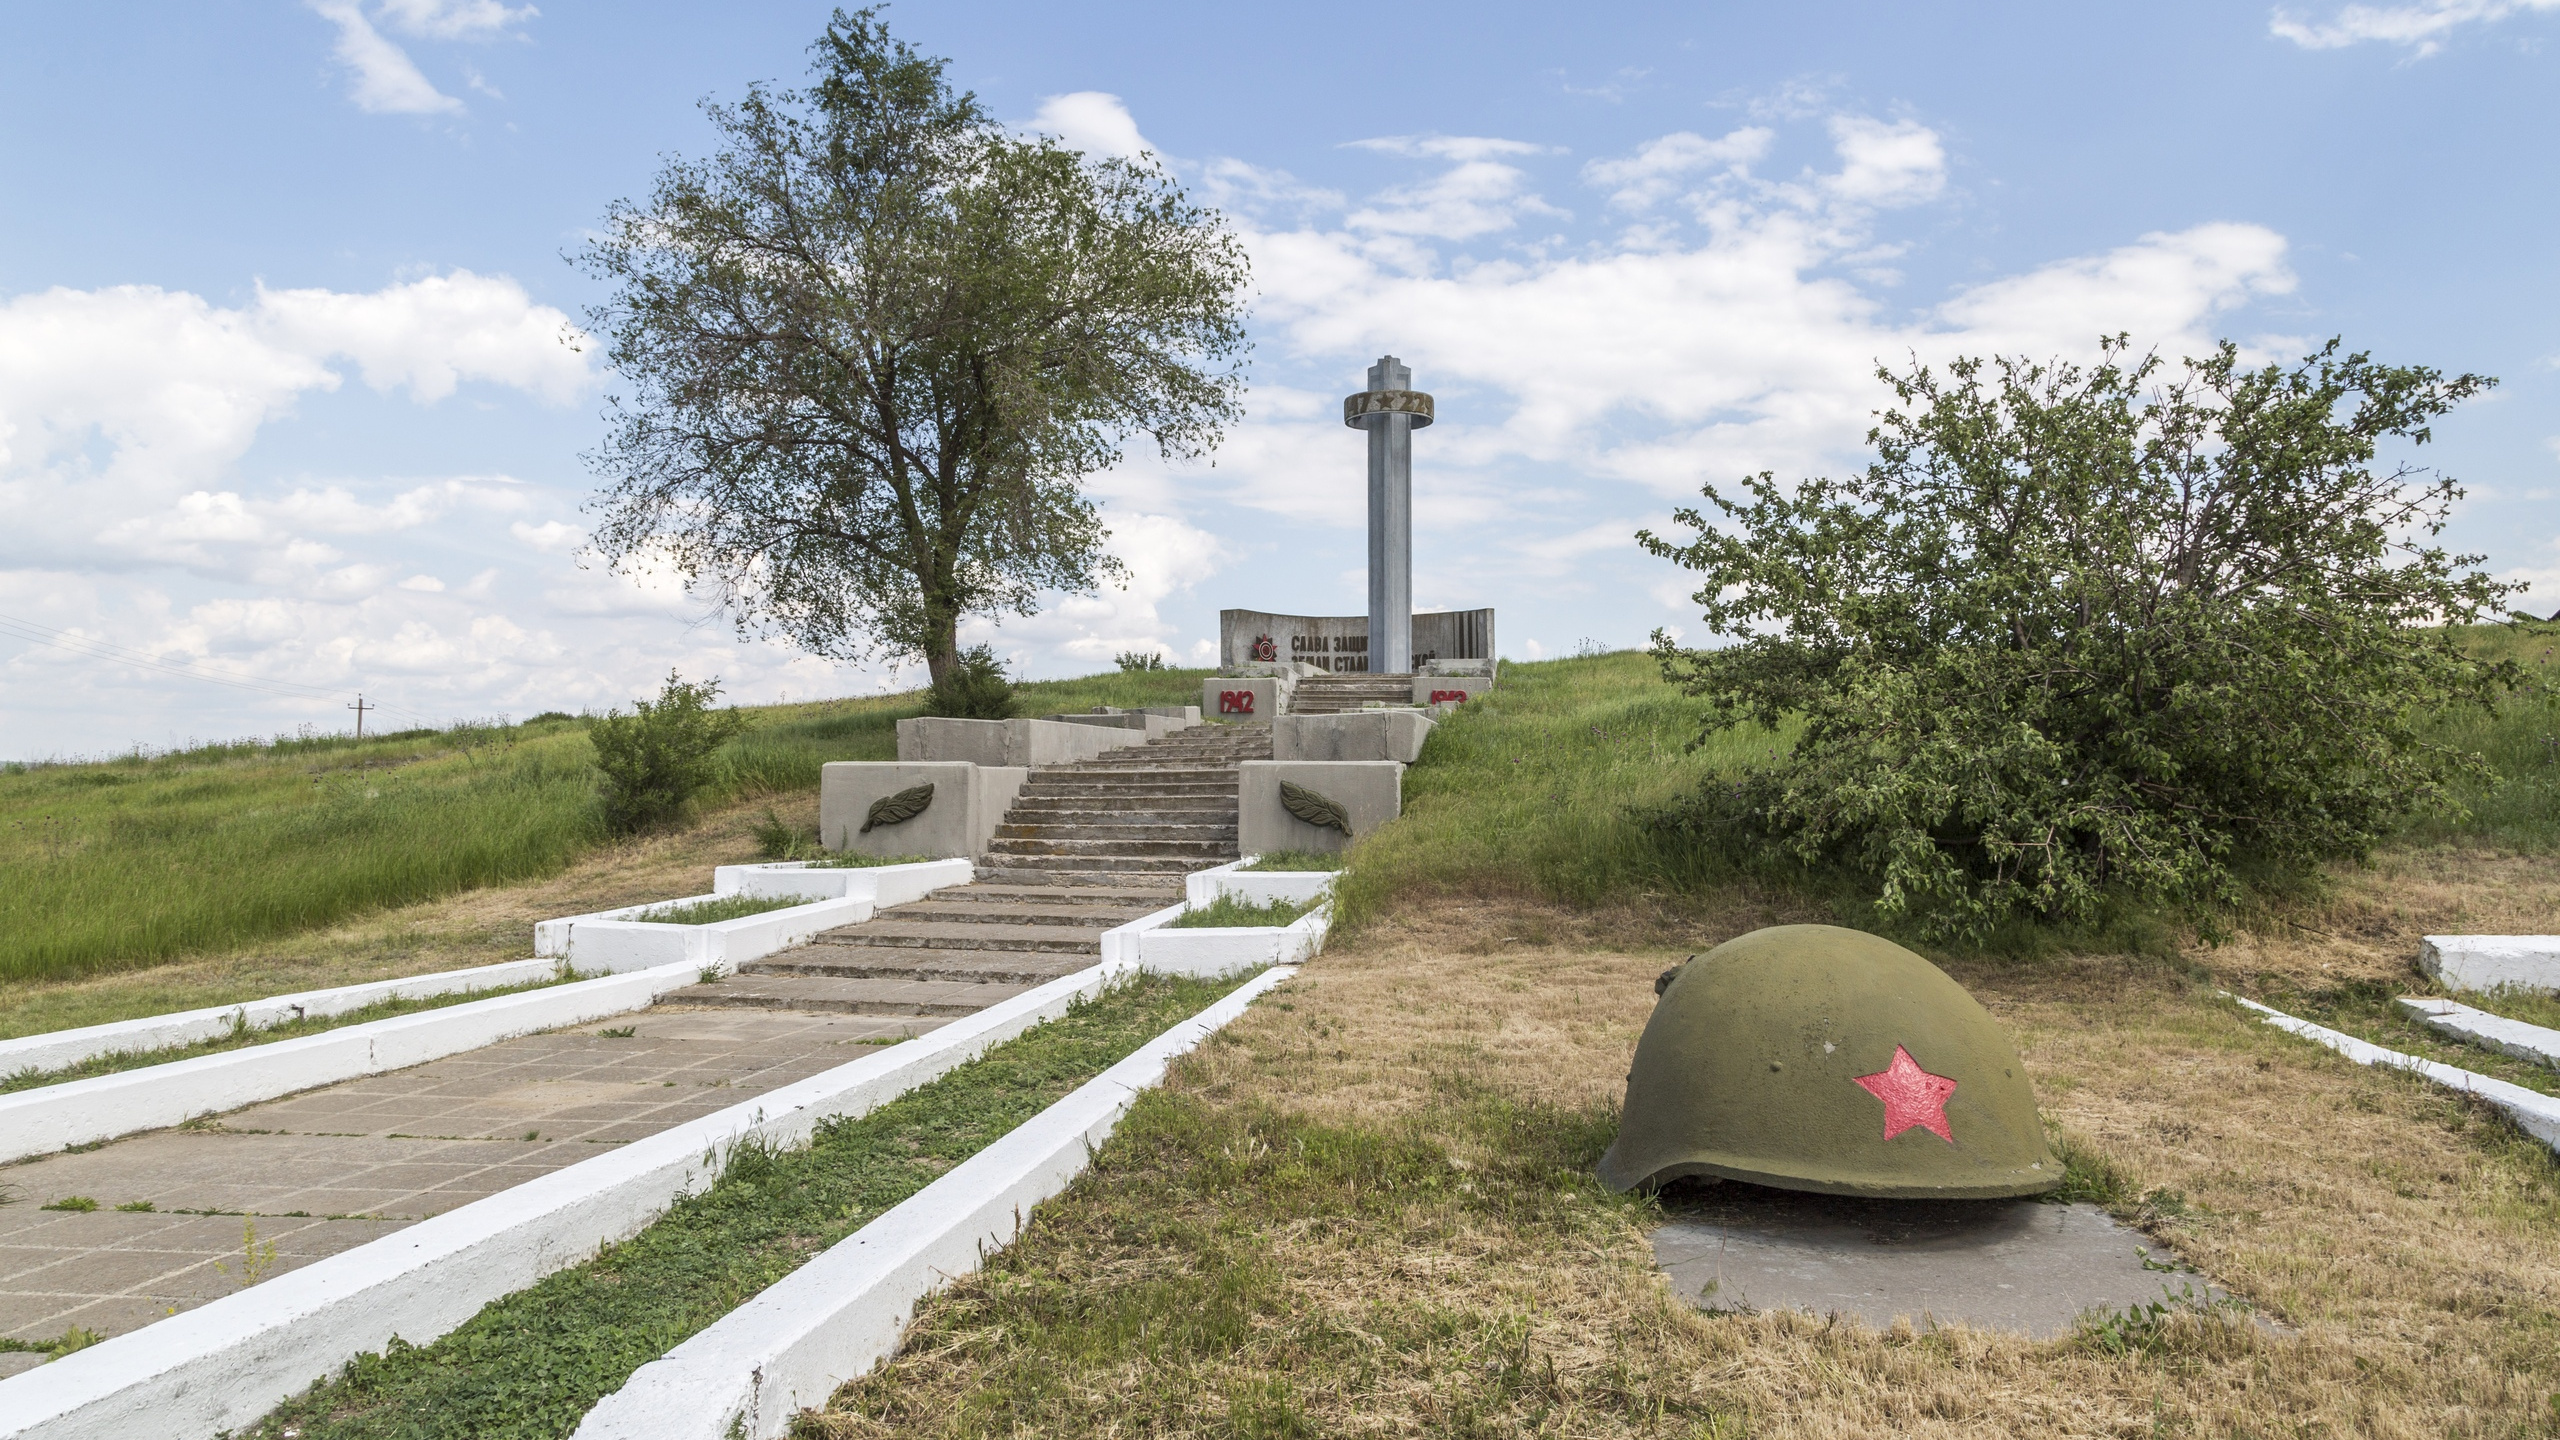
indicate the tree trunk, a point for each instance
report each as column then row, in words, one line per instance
column 941, row 646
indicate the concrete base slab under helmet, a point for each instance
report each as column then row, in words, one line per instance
column 2010, row 1265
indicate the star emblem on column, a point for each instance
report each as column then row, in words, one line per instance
column 1912, row 1096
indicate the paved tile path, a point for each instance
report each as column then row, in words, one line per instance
column 332, row 1168
column 1086, row 847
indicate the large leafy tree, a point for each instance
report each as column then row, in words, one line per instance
column 2126, row 628
column 872, row 347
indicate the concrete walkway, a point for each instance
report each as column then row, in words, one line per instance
column 1086, row 847
column 332, row 1168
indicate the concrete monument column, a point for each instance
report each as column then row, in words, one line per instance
column 1390, row 410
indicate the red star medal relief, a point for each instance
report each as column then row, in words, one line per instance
column 1912, row 1096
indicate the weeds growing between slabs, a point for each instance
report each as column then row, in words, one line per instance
column 532, row 1364
column 1228, row 912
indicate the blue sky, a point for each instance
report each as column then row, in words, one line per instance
column 285, row 398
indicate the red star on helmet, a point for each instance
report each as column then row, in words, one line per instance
column 1912, row 1096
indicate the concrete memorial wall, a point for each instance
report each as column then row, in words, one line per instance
column 1340, row 643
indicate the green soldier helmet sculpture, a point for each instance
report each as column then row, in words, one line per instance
column 1809, row 1057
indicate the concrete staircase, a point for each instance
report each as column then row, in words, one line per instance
column 1085, row 847
column 1335, row 694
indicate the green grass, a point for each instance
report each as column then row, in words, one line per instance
column 129, row 861
column 1295, row 861
column 847, row 860
column 2533, row 1007
column 712, row 912
column 1535, row 790
column 532, row 1364
column 1227, row 913
column 245, row 1036
column 2518, row 806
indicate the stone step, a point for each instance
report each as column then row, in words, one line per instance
column 1210, row 850
column 970, row 935
column 1010, row 912
column 1038, row 828
column 1093, row 809
column 988, row 967
column 1083, row 869
column 847, row 997
column 1137, row 895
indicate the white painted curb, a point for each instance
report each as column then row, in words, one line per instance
column 57, row 1048
column 77, row 1112
column 612, row 940
column 1224, row 950
column 224, row 1365
column 2496, row 1032
column 882, row 885
column 834, row 1318
column 2486, row 962
column 2537, row 1113
column 1256, row 887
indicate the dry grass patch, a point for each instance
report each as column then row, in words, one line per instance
column 2368, row 924
column 1367, row 1209
column 475, row 927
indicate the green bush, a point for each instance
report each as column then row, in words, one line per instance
column 656, row 759
column 974, row 688
column 1135, row 660
column 2080, row 635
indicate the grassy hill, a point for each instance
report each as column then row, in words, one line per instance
column 131, row 861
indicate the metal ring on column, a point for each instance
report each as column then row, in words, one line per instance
column 1362, row 404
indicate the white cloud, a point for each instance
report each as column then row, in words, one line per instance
column 1658, row 167
column 551, row 537
column 1451, row 147
column 431, row 334
column 122, row 409
column 2422, row 28
column 454, row 19
column 1885, row 165
column 387, row 81
column 1676, row 356
column 1093, row 122
column 1165, row 556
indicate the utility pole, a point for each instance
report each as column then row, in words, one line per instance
column 360, row 707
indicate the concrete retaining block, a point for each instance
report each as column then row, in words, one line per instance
column 1225, row 950
column 1255, row 887
column 1442, row 689
column 1250, row 697
column 1357, row 735
column 2536, row 1113
column 1003, row 743
column 79, row 1112
column 1154, row 723
column 1370, row 791
column 56, row 1049
column 221, row 1366
column 614, row 941
column 969, row 801
column 2487, row 962
column 834, row 1318
column 2536, row 1043
column 882, row 885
